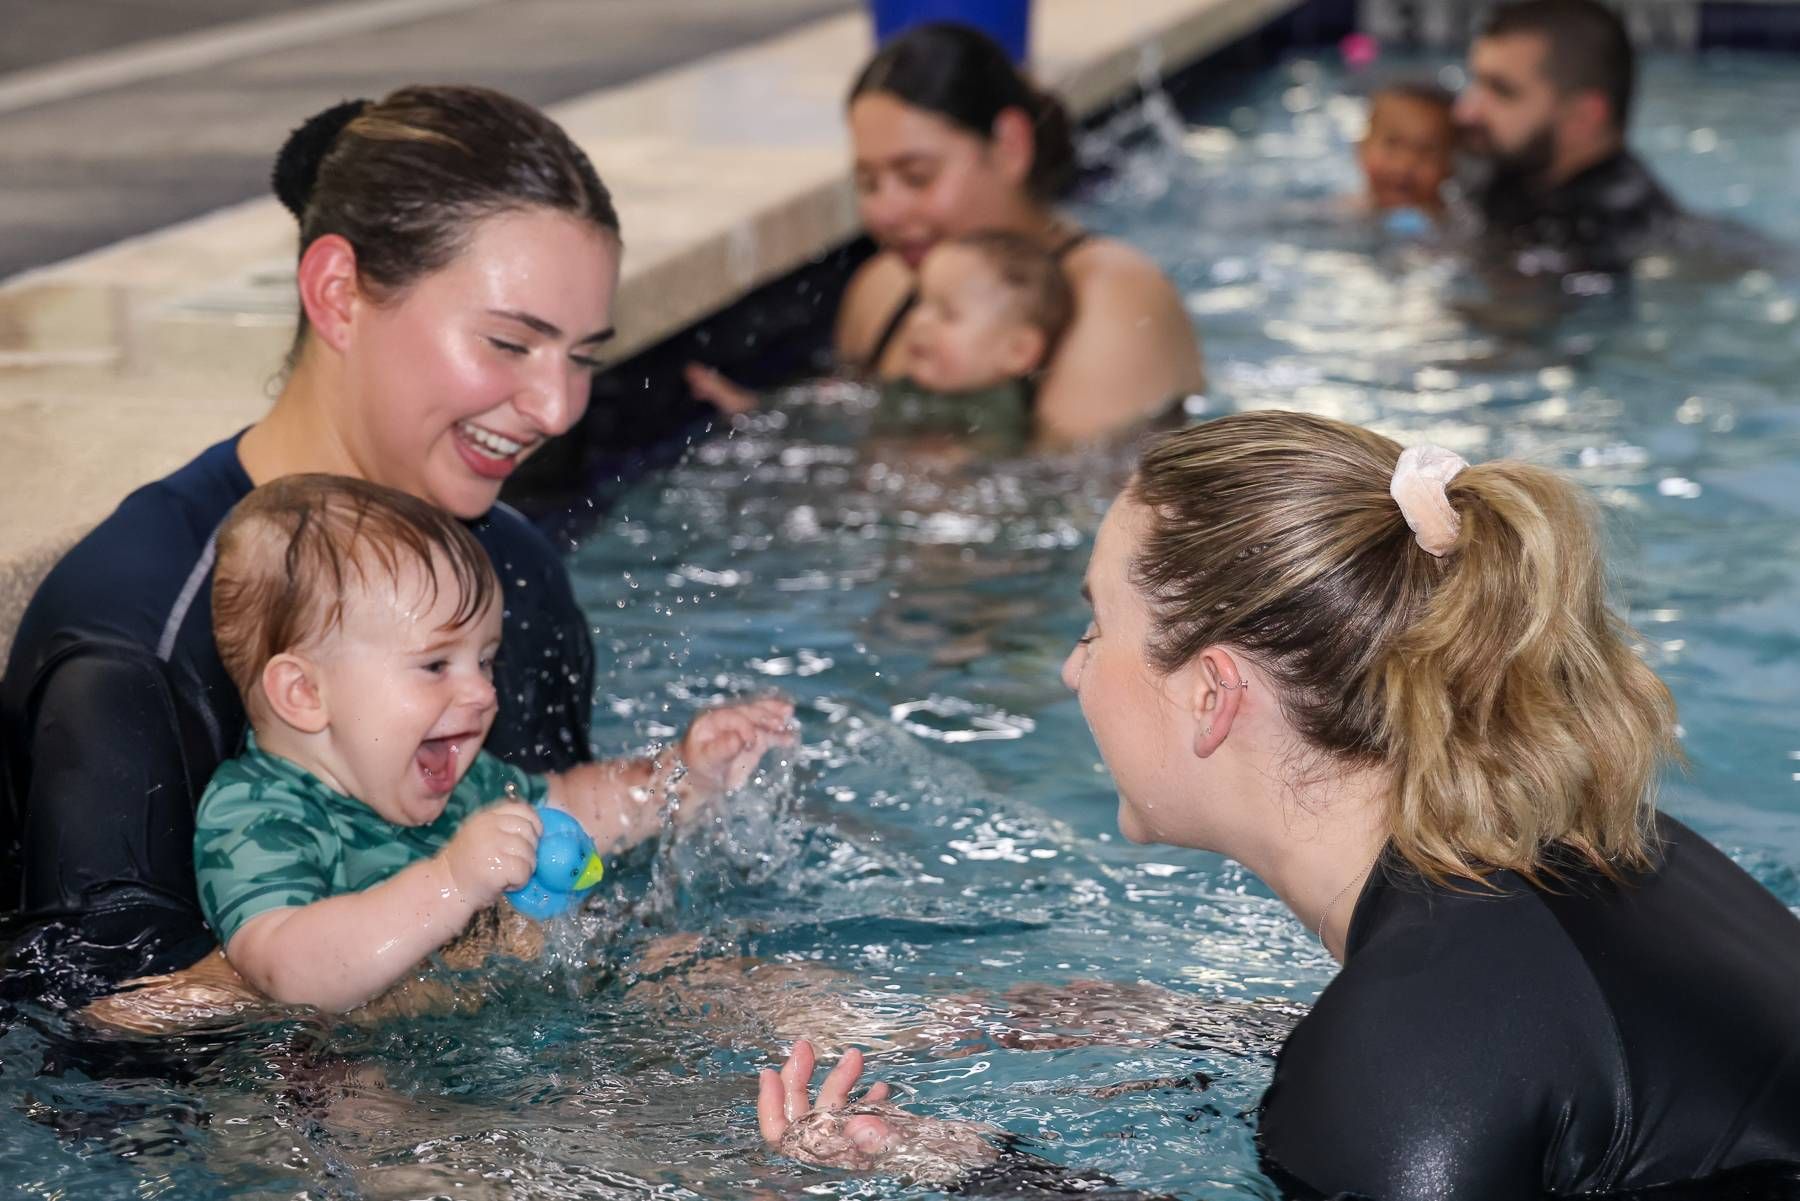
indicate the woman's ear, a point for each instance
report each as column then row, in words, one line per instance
column 291, row 687
column 329, row 289
column 1013, row 145
column 1216, row 697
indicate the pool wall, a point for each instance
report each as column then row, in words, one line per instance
column 730, row 172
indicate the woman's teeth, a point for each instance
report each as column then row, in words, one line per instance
column 487, row 440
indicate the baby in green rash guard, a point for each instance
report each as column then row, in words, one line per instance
column 992, row 307
column 363, row 826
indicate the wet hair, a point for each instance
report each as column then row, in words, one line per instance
column 1587, row 48
column 963, row 76
column 1495, row 687
column 405, row 180
column 1420, row 91
column 291, row 551
column 1041, row 293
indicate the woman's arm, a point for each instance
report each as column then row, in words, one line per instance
column 107, row 814
column 876, row 292
column 1131, row 351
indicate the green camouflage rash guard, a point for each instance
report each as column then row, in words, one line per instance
column 271, row 835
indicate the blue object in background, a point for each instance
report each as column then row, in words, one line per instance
column 567, row 867
column 1407, row 223
column 1006, row 21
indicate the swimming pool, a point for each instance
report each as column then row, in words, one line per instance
column 945, row 834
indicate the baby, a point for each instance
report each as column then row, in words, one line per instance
column 363, row 826
column 992, row 307
column 1407, row 153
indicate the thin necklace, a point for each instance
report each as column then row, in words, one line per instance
column 1331, row 904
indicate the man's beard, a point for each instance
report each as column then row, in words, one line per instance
column 1525, row 168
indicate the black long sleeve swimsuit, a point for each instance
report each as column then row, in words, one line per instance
column 115, row 710
column 1527, row 1042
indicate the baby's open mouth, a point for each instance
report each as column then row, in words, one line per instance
column 436, row 759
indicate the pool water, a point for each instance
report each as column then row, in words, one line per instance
column 935, row 871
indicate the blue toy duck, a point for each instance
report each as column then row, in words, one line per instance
column 567, row 867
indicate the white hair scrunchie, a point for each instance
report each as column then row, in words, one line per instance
column 1420, row 478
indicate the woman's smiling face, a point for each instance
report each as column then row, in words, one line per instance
column 464, row 374
column 920, row 179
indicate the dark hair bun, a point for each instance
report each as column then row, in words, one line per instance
column 297, row 166
column 1054, row 163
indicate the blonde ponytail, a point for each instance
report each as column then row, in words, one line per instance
column 1516, row 718
column 1494, row 685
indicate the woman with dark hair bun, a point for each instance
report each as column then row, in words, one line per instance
column 951, row 139
column 458, row 259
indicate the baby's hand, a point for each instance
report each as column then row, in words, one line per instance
column 494, row 850
column 722, row 746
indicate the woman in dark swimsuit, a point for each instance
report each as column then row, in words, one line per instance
column 951, row 139
column 1390, row 685
column 458, row 260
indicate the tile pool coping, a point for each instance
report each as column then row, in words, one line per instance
column 730, row 171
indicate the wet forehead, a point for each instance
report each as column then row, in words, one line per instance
column 962, row 272
column 887, row 132
column 404, row 609
column 1108, row 568
column 1412, row 117
column 1516, row 58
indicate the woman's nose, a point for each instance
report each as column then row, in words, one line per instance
column 554, row 400
column 884, row 208
column 1071, row 669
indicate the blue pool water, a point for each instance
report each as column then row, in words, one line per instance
column 945, row 834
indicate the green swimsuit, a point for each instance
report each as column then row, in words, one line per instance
column 271, row 835
column 999, row 416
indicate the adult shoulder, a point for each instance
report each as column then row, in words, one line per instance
column 125, row 581
column 875, row 293
column 1131, row 352
column 1465, row 1051
column 509, row 535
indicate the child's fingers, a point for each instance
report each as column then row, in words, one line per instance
column 508, row 813
column 877, row 1093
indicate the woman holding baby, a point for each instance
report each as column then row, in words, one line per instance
column 457, row 267
column 951, row 140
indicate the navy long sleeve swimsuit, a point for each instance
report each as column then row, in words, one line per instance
column 115, row 709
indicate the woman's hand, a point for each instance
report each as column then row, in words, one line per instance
column 781, row 1097
column 870, row 1135
column 723, row 746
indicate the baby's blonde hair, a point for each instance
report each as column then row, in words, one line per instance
column 291, row 550
column 1495, row 686
column 1033, row 276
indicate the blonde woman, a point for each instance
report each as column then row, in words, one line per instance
column 1390, row 684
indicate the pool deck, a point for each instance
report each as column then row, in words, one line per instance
column 119, row 365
